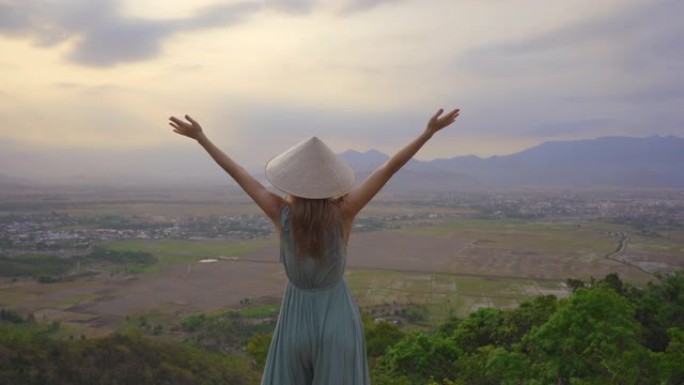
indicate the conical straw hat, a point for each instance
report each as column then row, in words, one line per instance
column 310, row 170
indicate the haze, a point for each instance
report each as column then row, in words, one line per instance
column 86, row 86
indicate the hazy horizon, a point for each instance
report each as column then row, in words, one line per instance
column 96, row 82
column 641, row 160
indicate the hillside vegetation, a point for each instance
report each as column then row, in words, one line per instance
column 606, row 332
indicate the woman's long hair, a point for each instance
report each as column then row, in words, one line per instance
column 314, row 225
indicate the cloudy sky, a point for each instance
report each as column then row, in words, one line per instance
column 100, row 77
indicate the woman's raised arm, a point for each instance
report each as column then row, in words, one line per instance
column 269, row 202
column 360, row 195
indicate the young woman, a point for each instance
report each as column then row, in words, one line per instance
column 318, row 339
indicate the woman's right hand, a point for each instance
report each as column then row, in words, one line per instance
column 191, row 128
column 436, row 123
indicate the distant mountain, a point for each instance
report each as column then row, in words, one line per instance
column 415, row 177
column 609, row 161
column 364, row 161
column 10, row 180
column 652, row 162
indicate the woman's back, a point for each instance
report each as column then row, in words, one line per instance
column 319, row 335
column 309, row 273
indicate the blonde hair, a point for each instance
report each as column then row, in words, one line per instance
column 315, row 222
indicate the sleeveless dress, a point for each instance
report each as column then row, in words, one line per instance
column 318, row 338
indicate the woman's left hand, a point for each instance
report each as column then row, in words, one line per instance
column 438, row 122
column 192, row 129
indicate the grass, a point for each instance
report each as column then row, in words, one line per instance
column 444, row 294
column 170, row 252
column 262, row 311
column 524, row 235
column 42, row 296
column 669, row 243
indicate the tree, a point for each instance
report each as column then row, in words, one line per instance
column 672, row 361
column 592, row 339
column 418, row 357
column 257, row 349
column 480, row 328
column 379, row 336
column 658, row 307
column 516, row 323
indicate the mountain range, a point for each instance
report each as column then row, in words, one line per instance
column 623, row 162
column 652, row 162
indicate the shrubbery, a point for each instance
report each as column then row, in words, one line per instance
column 606, row 332
column 29, row 355
column 50, row 268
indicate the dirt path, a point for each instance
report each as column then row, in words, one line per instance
column 620, row 249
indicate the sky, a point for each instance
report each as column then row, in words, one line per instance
column 96, row 80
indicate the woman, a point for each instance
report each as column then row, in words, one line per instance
column 319, row 337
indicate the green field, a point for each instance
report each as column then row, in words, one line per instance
column 584, row 237
column 444, row 294
column 559, row 245
column 170, row 252
column 473, row 263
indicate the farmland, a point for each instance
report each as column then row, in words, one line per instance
column 445, row 258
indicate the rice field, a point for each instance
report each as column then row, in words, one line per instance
column 449, row 267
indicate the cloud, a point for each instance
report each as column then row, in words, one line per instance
column 360, row 73
column 277, row 121
column 632, row 37
column 103, row 36
column 255, row 130
column 99, row 90
column 612, row 73
column 356, row 6
column 291, row 6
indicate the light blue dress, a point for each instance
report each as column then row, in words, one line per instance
column 319, row 338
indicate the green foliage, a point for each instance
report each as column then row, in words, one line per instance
column 507, row 368
column 447, row 328
column 193, row 323
column 269, row 310
column 123, row 257
column 47, row 279
column 415, row 314
column 257, row 349
column 592, row 337
column 659, row 307
column 143, row 321
column 574, row 283
column 604, row 333
column 672, row 362
column 34, row 265
column 379, row 336
column 28, row 356
column 516, row 323
column 481, row 328
column 54, row 326
column 227, row 331
column 50, row 268
column 418, row 356
column 11, row 316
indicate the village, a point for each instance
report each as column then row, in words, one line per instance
column 55, row 231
